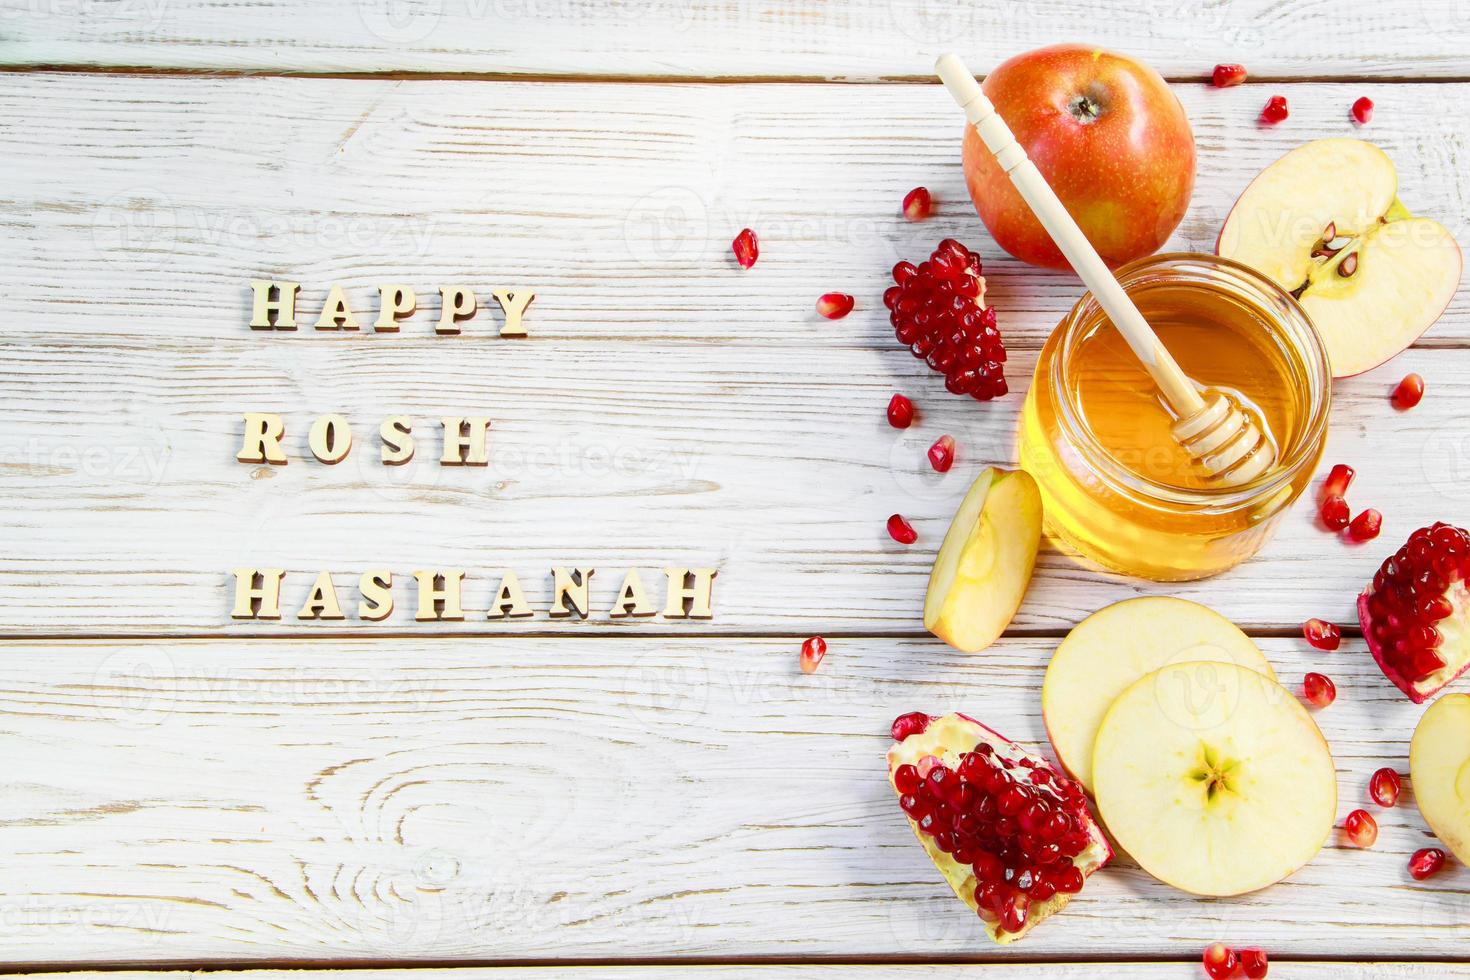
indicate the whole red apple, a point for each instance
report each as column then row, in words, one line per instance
column 1106, row 133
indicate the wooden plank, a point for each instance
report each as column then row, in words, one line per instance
column 823, row 971
column 859, row 39
column 227, row 801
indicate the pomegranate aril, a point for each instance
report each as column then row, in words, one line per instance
column 834, row 306
column 912, row 723
column 900, row 412
column 1425, row 862
column 1322, row 634
column 1219, row 961
column 906, row 778
column 1361, row 828
column 1363, row 110
column 1335, row 514
column 940, row 316
column 917, row 204
column 941, row 454
column 812, row 652
column 1409, row 391
column 1365, row 526
column 746, row 248
column 1254, row 963
column 1338, row 481
column 1319, row 690
column 901, row 530
column 1384, row 787
column 1275, row 110
column 1225, row 76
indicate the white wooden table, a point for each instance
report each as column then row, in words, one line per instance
column 181, row 790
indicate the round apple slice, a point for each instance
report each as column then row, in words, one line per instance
column 1439, row 765
column 1117, row 645
column 1214, row 778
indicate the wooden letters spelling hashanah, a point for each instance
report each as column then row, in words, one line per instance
column 439, row 591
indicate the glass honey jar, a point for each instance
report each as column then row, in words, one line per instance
column 1095, row 435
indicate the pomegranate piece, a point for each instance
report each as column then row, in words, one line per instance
column 812, row 652
column 1335, row 513
column 1415, row 613
column 1319, row 690
column 941, row 454
column 900, row 412
column 1361, row 828
column 901, row 530
column 1363, row 111
column 1338, row 481
column 1254, row 963
column 834, row 306
column 1220, row 961
column 937, row 309
column 1322, row 634
column 1409, row 391
column 1012, row 836
column 1227, row 76
column 1365, row 526
column 746, row 248
column 1275, row 110
column 1384, row 787
column 917, row 204
column 1425, row 862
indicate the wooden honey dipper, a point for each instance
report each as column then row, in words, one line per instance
column 1221, row 437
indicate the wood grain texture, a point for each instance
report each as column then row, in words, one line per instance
column 860, row 39
column 820, row 971
column 203, row 801
column 668, row 407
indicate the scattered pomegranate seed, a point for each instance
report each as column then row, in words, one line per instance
column 1365, row 526
column 901, row 530
column 1219, row 960
column 1425, row 862
column 1254, row 963
column 1319, row 690
column 1275, row 110
column 917, row 204
column 834, row 306
column 1361, row 828
column 746, row 248
column 1338, row 481
column 1226, row 76
column 1335, row 513
column 910, row 724
column 938, row 311
column 812, row 652
column 1409, row 391
column 941, row 454
column 900, row 412
column 1363, row 110
column 1384, row 786
column 1322, row 634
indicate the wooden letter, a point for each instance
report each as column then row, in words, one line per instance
column 632, row 598
column 394, row 301
column 330, row 438
column 284, row 308
column 514, row 304
column 397, row 443
column 377, row 599
column 321, row 602
column 569, row 586
column 510, row 600
column 267, row 593
column 696, row 594
column 431, row 595
column 455, row 303
column 464, row 442
column 262, row 443
column 336, row 314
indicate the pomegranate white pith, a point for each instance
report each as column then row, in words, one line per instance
column 990, row 834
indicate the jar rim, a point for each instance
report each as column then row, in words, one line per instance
column 1293, row 323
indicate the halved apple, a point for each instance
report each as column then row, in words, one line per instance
column 986, row 560
column 1214, row 778
column 1439, row 765
column 1117, row 645
column 1326, row 224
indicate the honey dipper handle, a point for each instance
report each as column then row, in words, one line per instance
column 1059, row 224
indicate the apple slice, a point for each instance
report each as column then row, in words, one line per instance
column 1214, row 778
column 986, row 560
column 1439, row 765
column 1011, row 835
column 1117, row 645
column 1325, row 223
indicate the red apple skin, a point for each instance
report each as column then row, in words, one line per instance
column 1126, row 175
